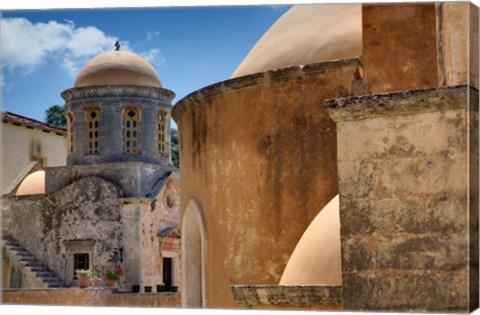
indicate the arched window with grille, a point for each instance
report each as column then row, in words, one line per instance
column 161, row 133
column 93, row 130
column 131, row 130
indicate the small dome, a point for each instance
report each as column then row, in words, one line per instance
column 117, row 68
column 33, row 184
column 316, row 259
column 307, row 34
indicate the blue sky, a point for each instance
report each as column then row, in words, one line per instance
column 190, row 48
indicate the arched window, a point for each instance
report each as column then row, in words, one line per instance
column 161, row 133
column 93, row 130
column 131, row 122
column 70, row 132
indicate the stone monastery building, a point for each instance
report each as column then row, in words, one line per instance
column 116, row 200
column 336, row 169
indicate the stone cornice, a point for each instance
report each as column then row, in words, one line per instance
column 402, row 103
column 108, row 91
column 321, row 295
column 262, row 78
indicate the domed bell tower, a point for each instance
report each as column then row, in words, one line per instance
column 118, row 118
column 118, row 111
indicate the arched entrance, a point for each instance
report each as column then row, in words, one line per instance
column 193, row 257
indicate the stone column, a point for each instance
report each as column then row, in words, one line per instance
column 137, row 249
column 408, row 184
column 111, row 136
column 131, row 220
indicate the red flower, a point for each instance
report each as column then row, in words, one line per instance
column 119, row 271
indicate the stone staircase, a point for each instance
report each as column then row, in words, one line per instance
column 37, row 273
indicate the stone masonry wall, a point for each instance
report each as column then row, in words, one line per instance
column 404, row 199
column 87, row 210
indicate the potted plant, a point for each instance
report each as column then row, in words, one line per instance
column 83, row 277
column 135, row 288
column 148, row 289
column 96, row 282
column 113, row 276
column 160, row 287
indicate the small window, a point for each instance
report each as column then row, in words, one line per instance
column 93, row 130
column 80, row 261
column 161, row 133
column 70, row 132
column 131, row 121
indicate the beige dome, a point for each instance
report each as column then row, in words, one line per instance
column 117, row 68
column 316, row 259
column 307, row 34
column 33, row 184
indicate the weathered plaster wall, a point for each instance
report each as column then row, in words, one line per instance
column 474, row 45
column 404, row 199
column 89, row 297
column 142, row 220
column 457, row 24
column 6, row 272
column 88, row 209
column 21, row 145
column 473, row 171
column 258, row 154
column 399, row 46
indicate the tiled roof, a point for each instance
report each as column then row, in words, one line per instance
column 32, row 123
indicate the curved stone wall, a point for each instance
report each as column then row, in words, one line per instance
column 259, row 155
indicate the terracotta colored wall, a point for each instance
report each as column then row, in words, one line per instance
column 89, row 297
column 258, row 153
column 399, row 47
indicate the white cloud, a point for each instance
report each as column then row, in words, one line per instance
column 153, row 56
column 152, row 34
column 25, row 45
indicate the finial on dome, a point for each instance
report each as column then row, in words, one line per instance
column 117, row 45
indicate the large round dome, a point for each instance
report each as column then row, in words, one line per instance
column 316, row 259
column 307, row 34
column 118, row 68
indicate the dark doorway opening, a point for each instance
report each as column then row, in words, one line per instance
column 167, row 272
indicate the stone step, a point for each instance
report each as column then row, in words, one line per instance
column 44, row 273
column 50, row 279
column 28, row 260
column 15, row 248
column 38, row 268
column 33, row 264
column 11, row 243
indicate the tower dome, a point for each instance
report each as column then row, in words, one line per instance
column 118, row 112
column 118, row 68
column 307, row 34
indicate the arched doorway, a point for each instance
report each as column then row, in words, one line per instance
column 193, row 257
